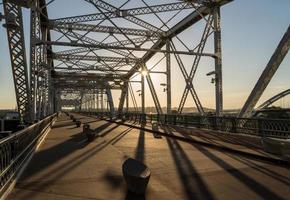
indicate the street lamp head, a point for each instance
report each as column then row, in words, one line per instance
column 144, row 72
column 211, row 73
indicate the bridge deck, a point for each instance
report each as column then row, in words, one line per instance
column 67, row 167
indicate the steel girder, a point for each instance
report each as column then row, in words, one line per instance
column 168, row 77
column 93, row 58
column 127, row 12
column 35, row 59
column 114, row 47
column 218, row 61
column 194, row 17
column 102, row 29
column 42, row 87
column 154, row 94
column 80, row 85
column 124, row 92
column 16, row 45
column 110, row 101
column 81, row 66
column 41, row 68
column 190, row 88
column 86, row 76
column 99, row 4
column 189, row 78
column 265, row 78
column 188, row 21
column 91, row 46
column 149, row 33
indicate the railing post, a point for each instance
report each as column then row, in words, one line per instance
column 2, row 125
column 185, row 120
column 234, row 125
column 260, row 127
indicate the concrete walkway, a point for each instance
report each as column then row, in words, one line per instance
column 67, row 167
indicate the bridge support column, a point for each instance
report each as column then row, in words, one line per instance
column 168, row 76
column 127, row 99
column 218, row 61
column 142, row 93
column 102, row 100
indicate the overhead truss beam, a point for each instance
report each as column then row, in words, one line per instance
column 128, row 12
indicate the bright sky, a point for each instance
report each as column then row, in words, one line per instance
column 251, row 30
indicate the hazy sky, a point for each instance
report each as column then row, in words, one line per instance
column 251, row 30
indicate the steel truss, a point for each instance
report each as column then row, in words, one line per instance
column 40, row 64
column 104, row 54
column 71, row 28
column 15, row 34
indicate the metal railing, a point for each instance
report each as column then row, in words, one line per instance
column 279, row 128
column 16, row 148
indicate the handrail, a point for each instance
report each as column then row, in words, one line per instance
column 16, row 148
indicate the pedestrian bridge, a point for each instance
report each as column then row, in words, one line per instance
column 185, row 163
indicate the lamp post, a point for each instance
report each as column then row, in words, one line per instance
column 144, row 73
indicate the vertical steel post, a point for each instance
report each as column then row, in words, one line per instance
column 44, row 65
column 142, row 93
column 102, row 100
column 98, row 100
column 127, row 99
column 218, row 61
column 17, row 49
column 168, row 76
column 94, row 100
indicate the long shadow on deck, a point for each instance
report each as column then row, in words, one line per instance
column 58, row 172
column 252, row 184
column 140, row 149
column 194, row 186
column 251, row 143
column 60, row 151
column 249, row 163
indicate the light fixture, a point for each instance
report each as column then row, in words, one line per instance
column 165, row 86
column 144, row 72
column 211, row 73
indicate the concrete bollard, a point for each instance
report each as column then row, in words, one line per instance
column 89, row 132
column 155, row 130
column 154, row 126
column 136, row 175
column 78, row 123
